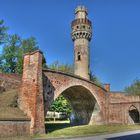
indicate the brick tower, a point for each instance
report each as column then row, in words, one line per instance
column 81, row 35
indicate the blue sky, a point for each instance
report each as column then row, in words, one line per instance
column 115, row 46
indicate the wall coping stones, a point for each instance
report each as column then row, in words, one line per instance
column 31, row 53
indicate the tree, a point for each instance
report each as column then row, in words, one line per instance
column 10, row 54
column 13, row 50
column 27, row 46
column 61, row 67
column 3, row 33
column 94, row 79
column 61, row 105
column 134, row 88
column 11, row 59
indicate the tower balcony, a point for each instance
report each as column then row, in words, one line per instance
column 81, row 21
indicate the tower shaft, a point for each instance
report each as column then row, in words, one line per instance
column 81, row 35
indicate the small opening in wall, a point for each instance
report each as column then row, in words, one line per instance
column 77, row 27
column 79, row 56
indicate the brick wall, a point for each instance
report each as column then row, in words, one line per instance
column 31, row 95
column 14, row 128
column 9, row 81
column 119, row 105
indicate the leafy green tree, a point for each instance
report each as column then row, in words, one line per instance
column 13, row 50
column 10, row 54
column 27, row 46
column 61, row 67
column 134, row 88
column 61, row 105
column 94, row 79
column 3, row 32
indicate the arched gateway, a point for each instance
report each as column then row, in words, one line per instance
column 82, row 94
column 41, row 86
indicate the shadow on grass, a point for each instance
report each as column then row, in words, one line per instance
column 128, row 137
column 50, row 127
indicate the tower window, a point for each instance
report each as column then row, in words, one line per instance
column 77, row 27
column 79, row 56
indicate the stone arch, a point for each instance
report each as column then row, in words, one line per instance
column 134, row 114
column 70, row 84
column 84, row 100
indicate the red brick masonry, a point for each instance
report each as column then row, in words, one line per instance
column 14, row 128
column 40, row 87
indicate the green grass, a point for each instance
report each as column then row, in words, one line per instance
column 8, row 105
column 87, row 130
column 84, row 130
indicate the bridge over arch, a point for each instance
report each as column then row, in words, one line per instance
column 41, row 86
column 83, row 95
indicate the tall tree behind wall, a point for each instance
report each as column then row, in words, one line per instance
column 27, row 46
column 61, row 67
column 10, row 54
column 3, row 32
column 134, row 88
column 13, row 51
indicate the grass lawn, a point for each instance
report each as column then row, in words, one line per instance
column 78, row 131
column 8, row 108
column 84, row 130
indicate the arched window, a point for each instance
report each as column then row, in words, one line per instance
column 78, row 56
column 134, row 114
